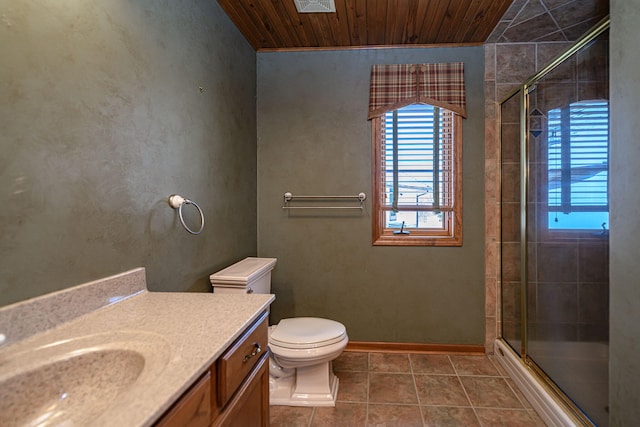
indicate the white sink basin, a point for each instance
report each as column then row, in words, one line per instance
column 74, row 382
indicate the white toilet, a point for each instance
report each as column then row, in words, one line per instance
column 302, row 348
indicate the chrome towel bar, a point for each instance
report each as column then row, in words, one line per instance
column 288, row 197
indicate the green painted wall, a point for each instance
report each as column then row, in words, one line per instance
column 101, row 119
column 624, row 344
column 314, row 139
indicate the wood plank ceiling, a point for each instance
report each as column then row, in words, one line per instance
column 277, row 25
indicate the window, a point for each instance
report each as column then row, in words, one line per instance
column 578, row 159
column 416, row 113
column 417, row 155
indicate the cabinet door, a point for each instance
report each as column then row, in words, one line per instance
column 193, row 409
column 250, row 405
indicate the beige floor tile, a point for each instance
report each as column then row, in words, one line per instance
column 431, row 364
column 353, row 386
column 394, row 416
column 441, row 390
column 490, row 392
column 343, row 415
column 518, row 393
column 351, row 361
column 474, row 365
column 490, row 417
column 387, row 362
column 447, row 416
column 498, row 366
column 392, row 388
column 290, row 416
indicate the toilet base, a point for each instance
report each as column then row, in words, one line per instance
column 314, row 385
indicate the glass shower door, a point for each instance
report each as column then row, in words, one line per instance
column 555, row 225
column 567, row 221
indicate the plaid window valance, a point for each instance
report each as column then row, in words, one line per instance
column 395, row 86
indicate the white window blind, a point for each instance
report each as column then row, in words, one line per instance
column 578, row 161
column 417, row 162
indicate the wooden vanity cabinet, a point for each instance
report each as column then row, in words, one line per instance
column 234, row 391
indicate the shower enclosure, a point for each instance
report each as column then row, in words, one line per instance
column 554, row 227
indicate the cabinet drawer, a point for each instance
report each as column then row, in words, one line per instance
column 193, row 409
column 250, row 405
column 236, row 363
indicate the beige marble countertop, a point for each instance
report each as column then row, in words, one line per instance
column 185, row 333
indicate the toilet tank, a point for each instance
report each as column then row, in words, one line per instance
column 251, row 275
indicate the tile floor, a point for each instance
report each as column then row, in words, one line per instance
column 384, row 389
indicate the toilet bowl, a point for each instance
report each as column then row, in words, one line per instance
column 307, row 346
column 302, row 348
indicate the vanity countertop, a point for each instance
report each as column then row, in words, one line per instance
column 191, row 329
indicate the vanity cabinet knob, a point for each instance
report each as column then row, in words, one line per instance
column 256, row 350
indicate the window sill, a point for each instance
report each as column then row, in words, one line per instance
column 416, row 240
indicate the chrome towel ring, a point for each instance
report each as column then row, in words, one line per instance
column 177, row 202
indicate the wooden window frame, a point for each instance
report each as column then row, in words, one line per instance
column 451, row 235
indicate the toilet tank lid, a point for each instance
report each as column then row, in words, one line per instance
column 243, row 272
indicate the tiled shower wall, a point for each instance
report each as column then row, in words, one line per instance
column 508, row 63
column 507, row 66
column 510, row 198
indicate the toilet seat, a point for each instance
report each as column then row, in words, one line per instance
column 307, row 333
